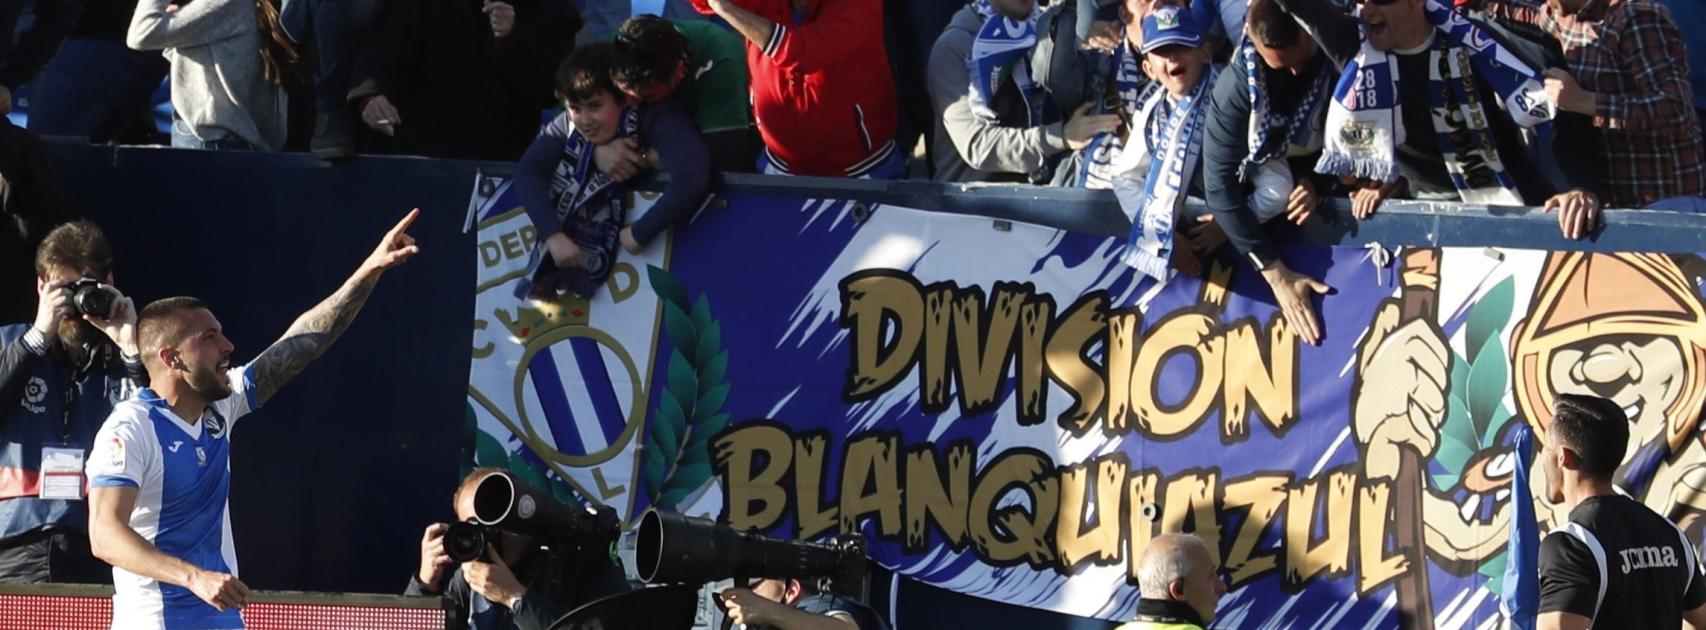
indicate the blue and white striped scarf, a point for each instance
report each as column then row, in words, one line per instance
column 1002, row 48
column 1263, row 120
column 1097, row 168
column 591, row 209
column 1172, row 138
column 1365, row 125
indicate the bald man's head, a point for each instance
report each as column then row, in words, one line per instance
column 1179, row 567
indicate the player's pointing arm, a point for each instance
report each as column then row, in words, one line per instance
column 314, row 331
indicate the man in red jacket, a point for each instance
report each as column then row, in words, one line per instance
column 812, row 125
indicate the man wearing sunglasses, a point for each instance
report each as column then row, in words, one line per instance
column 1402, row 117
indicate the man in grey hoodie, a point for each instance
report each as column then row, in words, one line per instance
column 999, row 130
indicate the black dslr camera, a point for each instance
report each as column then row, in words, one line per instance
column 89, row 297
column 504, row 503
column 467, row 541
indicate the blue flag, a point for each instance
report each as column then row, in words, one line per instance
column 1520, row 600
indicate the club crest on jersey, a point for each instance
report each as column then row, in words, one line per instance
column 200, row 456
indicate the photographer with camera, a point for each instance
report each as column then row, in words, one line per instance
column 512, row 580
column 59, row 378
column 794, row 605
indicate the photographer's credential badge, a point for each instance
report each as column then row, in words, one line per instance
column 62, row 473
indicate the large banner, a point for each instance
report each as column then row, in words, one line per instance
column 1007, row 411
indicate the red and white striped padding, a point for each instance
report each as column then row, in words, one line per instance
column 59, row 612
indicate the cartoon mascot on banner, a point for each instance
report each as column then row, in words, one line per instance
column 1628, row 327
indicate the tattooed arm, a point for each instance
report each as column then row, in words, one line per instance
column 315, row 330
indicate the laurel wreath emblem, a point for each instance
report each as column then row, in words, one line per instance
column 677, row 454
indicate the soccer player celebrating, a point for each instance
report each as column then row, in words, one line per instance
column 160, row 471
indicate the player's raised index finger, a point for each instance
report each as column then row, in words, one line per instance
column 403, row 225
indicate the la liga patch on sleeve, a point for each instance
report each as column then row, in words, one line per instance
column 117, row 456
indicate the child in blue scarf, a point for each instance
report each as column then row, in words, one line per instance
column 581, row 212
column 1160, row 162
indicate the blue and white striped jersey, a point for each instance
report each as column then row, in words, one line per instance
column 182, row 472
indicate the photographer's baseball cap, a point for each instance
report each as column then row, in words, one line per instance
column 1168, row 25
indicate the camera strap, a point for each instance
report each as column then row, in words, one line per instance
column 73, row 388
column 68, row 398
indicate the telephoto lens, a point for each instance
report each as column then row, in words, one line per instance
column 504, row 503
column 672, row 548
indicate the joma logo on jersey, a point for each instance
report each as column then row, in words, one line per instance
column 1647, row 558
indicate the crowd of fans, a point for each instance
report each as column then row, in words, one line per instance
column 1260, row 107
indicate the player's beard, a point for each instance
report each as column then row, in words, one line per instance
column 207, row 385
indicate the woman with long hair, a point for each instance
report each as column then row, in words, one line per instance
column 229, row 63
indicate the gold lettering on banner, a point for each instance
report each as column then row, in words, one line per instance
column 1122, row 345
column 1026, row 530
column 933, row 375
column 877, row 307
column 1079, row 541
column 1305, row 557
column 737, row 453
column 1190, row 497
column 967, row 349
column 1141, row 490
column 484, row 350
column 931, row 501
column 984, row 343
column 1021, row 508
column 623, row 282
column 605, row 491
column 1261, row 373
column 1216, row 286
column 1070, row 366
column 871, row 483
column 1034, row 319
column 1263, row 495
column 1189, row 334
column 810, row 470
column 1374, row 513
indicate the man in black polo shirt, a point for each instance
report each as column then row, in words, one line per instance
column 1615, row 562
